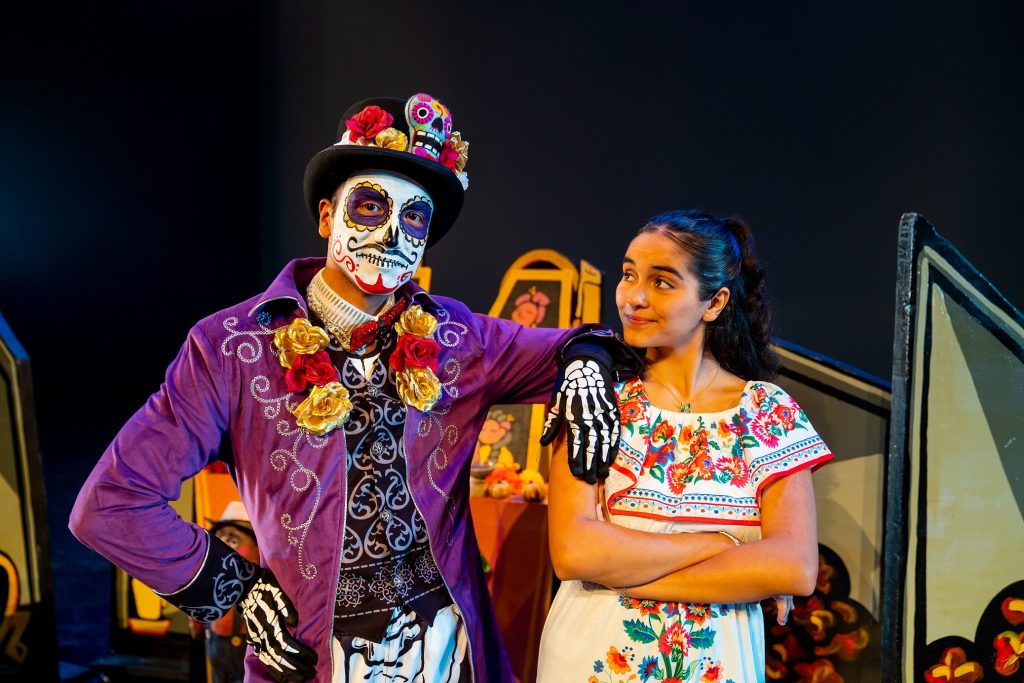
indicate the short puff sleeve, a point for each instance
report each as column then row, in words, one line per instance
column 777, row 437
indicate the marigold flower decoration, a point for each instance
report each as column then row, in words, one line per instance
column 415, row 359
column 301, row 351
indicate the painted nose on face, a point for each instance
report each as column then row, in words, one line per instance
column 391, row 236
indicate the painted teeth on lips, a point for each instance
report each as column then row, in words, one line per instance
column 379, row 261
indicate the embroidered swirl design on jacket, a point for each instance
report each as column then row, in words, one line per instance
column 448, row 334
column 250, row 350
column 300, row 478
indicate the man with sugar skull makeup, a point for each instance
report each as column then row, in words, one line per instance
column 351, row 400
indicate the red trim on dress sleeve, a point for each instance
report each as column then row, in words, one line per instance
column 813, row 464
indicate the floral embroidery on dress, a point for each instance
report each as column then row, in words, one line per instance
column 680, row 631
column 678, row 472
column 728, row 449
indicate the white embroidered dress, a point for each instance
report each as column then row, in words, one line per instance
column 676, row 473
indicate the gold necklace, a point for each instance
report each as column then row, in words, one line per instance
column 685, row 407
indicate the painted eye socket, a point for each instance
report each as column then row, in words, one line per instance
column 416, row 219
column 370, row 208
column 367, row 206
column 422, row 113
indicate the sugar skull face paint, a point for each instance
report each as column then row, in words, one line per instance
column 430, row 123
column 379, row 230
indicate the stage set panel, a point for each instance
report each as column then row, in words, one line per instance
column 28, row 640
column 954, row 561
column 834, row 634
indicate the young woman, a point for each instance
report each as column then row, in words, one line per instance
column 709, row 506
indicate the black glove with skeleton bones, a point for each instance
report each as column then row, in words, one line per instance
column 267, row 611
column 584, row 398
column 228, row 580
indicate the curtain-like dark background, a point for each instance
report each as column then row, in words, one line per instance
column 151, row 159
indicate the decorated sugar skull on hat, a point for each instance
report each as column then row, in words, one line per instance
column 412, row 138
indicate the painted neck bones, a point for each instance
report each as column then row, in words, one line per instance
column 379, row 230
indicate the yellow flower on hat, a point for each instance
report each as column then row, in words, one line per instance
column 325, row 408
column 300, row 337
column 392, row 138
column 418, row 387
column 416, row 322
column 462, row 147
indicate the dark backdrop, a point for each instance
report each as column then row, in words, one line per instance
column 151, row 157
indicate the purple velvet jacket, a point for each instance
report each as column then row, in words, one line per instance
column 227, row 384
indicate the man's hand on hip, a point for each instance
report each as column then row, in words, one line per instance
column 267, row 611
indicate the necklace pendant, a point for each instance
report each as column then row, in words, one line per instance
column 685, row 408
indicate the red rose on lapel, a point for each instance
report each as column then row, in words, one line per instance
column 418, row 352
column 315, row 368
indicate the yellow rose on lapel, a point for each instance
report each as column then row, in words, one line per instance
column 418, row 387
column 300, row 337
column 325, row 408
column 416, row 322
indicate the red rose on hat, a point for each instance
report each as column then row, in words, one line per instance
column 368, row 123
column 417, row 352
column 450, row 156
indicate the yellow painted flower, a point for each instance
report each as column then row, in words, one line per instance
column 416, row 322
column 325, row 408
column 299, row 338
column 418, row 387
column 392, row 138
column 462, row 147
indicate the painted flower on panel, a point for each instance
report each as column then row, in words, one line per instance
column 1009, row 648
column 818, row 671
column 953, row 667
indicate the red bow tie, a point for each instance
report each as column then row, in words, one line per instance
column 373, row 330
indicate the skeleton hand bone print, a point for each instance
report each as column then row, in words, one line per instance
column 266, row 611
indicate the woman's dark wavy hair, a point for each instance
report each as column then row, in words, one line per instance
column 722, row 254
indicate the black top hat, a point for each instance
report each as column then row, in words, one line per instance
column 422, row 127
